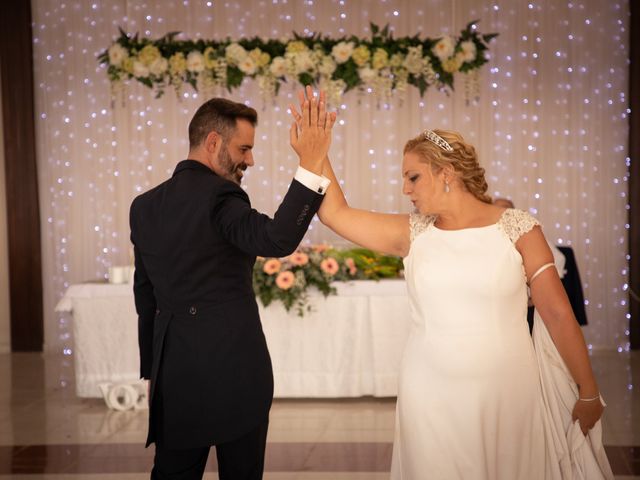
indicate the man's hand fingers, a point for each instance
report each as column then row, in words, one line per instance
column 313, row 119
column 322, row 113
column 294, row 113
column 305, row 114
column 313, row 115
column 293, row 134
column 301, row 97
column 322, row 122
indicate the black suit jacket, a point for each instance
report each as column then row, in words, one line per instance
column 573, row 285
column 195, row 240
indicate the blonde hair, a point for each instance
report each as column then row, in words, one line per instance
column 463, row 159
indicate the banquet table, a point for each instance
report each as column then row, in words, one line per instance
column 349, row 345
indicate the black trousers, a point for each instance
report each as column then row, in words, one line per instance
column 240, row 459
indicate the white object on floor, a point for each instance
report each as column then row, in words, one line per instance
column 125, row 396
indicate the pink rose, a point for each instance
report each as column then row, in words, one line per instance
column 329, row 266
column 271, row 266
column 299, row 259
column 285, row 280
column 351, row 265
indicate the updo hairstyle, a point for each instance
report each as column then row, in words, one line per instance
column 463, row 159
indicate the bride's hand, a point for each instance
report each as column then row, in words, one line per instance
column 587, row 413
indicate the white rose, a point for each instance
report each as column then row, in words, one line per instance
column 302, row 62
column 453, row 64
column 367, row 74
column 413, row 63
column 342, row 51
column 159, row 66
column 117, row 54
column 140, row 69
column 468, row 51
column 327, row 66
column 444, row 48
column 248, row 65
column 290, row 65
column 278, row 67
column 195, row 61
column 429, row 73
column 396, row 60
column 333, row 88
column 235, row 53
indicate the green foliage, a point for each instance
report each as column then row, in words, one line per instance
column 228, row 72
column 371, row 265
column 234, row 78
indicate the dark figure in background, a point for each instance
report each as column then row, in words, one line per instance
column 195, row 240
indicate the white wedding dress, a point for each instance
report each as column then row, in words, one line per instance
column 470, row 400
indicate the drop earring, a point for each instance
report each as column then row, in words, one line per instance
column 446, row 187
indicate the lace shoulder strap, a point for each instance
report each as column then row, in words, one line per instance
column 418, row 223
column 516, row 223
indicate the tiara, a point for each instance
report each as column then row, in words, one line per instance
column 438, row 140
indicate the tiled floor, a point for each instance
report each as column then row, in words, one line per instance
column 46, row 432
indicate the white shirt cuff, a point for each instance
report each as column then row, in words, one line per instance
column 317, row 183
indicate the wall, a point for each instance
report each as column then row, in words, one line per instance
column 5, row 335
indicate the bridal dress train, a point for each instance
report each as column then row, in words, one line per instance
column 471, row 400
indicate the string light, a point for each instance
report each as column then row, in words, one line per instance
column 550, row 128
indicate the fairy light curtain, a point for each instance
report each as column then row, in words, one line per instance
column 550, row 126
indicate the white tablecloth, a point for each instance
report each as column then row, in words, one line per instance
column 350, row 345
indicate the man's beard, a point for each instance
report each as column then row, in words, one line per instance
column 231, row 171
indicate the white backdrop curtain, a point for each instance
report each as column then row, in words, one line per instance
column 550, row 126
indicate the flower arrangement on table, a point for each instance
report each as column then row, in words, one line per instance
column 288, row 279
column 381, row 65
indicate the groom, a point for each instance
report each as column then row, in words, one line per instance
column 195, row 240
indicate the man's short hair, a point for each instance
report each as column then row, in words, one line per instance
column 219, row 115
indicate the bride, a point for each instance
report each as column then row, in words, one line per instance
column 471, row 404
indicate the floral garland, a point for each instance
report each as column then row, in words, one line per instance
column 288, row 279
column 382, row 65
